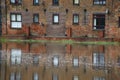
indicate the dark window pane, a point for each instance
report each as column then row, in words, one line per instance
column 55, row 2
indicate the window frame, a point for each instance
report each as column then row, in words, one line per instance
column 36, row 15
column 15, row 3
column 16, row 14
column 76, row 3
column 75, row 23
column 97, row 17
column 35, row 3
column 54, row 3
column 99, row 2
column 119, row 22
column 54, row 22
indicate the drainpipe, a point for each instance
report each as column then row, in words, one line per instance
column 6, row 15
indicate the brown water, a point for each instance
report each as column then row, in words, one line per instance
column 54, row 61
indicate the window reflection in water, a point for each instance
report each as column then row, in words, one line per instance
column 35, row 76
column 75, row 77
column 55, row 77
column 35, row 59
column 118, row 60
column 98, row 78
column 55, row 61
column 75, row 62
column 15, row 76
column 15, row 56
column 98, row 60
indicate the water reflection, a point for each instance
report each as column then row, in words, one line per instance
column 53, row 61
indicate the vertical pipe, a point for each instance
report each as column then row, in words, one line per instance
column 6, row 15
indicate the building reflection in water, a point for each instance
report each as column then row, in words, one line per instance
column 43, row 61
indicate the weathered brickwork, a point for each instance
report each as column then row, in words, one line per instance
column 65, row 10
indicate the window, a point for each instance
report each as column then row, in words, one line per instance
column 75, row 2
column 119, row 22
column 99, row 2
column 118, row 60
column 15, row 1
column 55, row 77
column 55, row 2
column 35, row 76
column 36, row 18
column 15, row 56
column 15, row 76
column 55, row 61
column 98, row 21
column 98, row 60
column 75, row 77
column 98, row 78
column 55, row 18
column 75, row 62
column 35, row 2
column 16, row 20
column 35, row 59
column 75, row 19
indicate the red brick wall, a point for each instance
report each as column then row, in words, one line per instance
column 111, row 28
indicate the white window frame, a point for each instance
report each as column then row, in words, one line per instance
column 55, row 18
column 76, row 2
column 99, row 2
column 75, row 18
column 16, row 20
column 15, row 1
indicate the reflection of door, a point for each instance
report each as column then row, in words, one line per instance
column 98, row 60
column 15, row 56
column 55, row 24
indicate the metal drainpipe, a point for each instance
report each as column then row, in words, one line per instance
column 6, row 15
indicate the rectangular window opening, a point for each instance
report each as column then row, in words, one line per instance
column 35, row 18
column 35, row 2
column 16, row 20
column 56, row 2
column 16, row 2
column 55, row 18
column 75, row 19
column 99, row 21
column 76, row 2
column 99, row 2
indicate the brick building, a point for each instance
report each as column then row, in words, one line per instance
column 61, row 18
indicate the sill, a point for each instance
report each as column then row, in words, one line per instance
column 16, row 4
column 36, row 4
column 76, row 4
column 55, row 23
column 75, row 23
column 99, row 4
column 98, row 29
column 55, row 5
column 16, row 28
column 35, row 22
